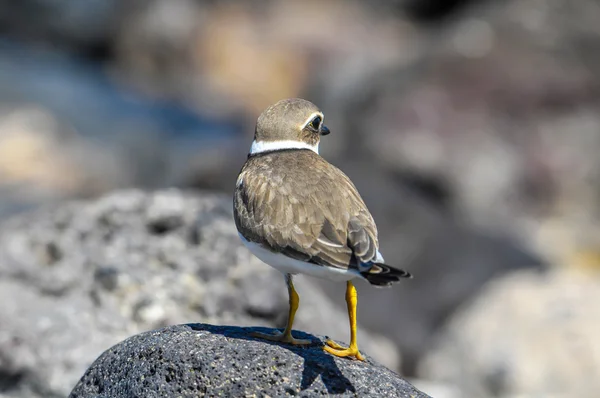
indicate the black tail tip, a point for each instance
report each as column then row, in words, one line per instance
column 384, row 275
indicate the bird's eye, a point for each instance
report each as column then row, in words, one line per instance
column 316, row 123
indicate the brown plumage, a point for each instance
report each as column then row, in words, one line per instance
column 295, row 203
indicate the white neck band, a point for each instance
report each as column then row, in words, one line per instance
column 269, row 146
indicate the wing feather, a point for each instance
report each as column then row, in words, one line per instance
column 317, row 216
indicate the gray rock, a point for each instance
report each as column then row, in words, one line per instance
column 79, row 278
column 528, row 334
column 204, row 360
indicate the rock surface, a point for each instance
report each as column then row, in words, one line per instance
column 528, row 334
column 204, row 360
column 78, row 278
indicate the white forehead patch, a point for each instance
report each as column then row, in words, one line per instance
column 270, row 146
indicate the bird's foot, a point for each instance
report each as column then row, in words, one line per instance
column 335, row 349
column 286, row 338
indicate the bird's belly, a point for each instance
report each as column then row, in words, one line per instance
column 290, row 265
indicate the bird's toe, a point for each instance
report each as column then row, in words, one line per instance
column 351, row 352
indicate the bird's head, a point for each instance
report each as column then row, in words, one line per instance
column 289, row 124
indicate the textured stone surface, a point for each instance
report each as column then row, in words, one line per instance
column 528, row 335
column 80, row 277
column 203, row 360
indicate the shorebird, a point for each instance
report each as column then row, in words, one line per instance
column 301, row 215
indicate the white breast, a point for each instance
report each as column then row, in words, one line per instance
column 289, row 265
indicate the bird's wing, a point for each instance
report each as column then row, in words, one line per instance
column 317, row 217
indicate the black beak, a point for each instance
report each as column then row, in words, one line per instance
column 324, row 130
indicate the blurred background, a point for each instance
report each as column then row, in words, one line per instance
column 471, row 128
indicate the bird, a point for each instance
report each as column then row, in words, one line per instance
column 302, row 215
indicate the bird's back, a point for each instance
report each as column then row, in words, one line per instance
column 297, row 203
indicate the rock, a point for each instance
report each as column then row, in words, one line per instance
column 528, row 334
column 190, row 50
column 204, row 360
column 76, row 279
column 437, row 389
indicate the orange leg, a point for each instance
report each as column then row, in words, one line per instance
column 286, row 336
column 352, row 351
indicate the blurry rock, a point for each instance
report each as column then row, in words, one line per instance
column 488, row 108
column 204, row 360
column 77, row 279
column 437, row 389
column 153, row 42
column 235, row 58
column 43, row 160
column 30, row 151
column 84, row 26
column 571, row 236
column 527, row 334
column 432, row 11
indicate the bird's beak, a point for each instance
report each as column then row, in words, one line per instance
column 324, row 130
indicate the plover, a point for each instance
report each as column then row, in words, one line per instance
column 301, row 215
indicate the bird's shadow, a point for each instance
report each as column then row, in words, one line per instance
column 316, row 360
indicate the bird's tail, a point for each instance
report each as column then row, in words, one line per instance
column 384, row 275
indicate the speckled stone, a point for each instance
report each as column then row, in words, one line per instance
column 204, row 360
